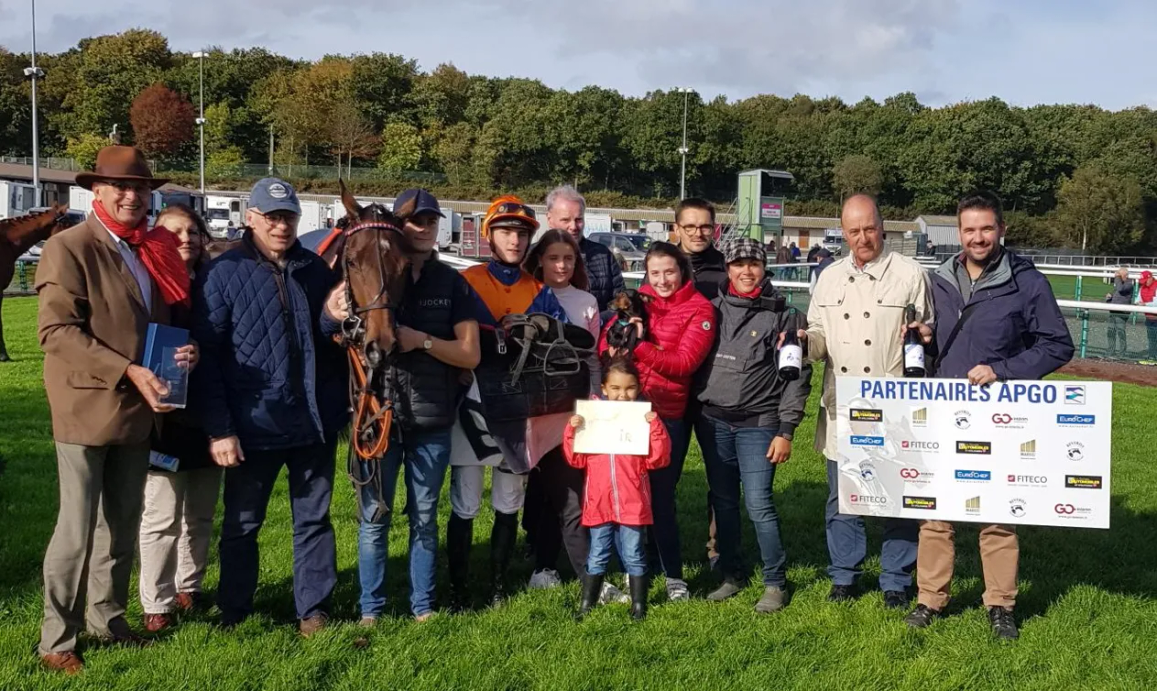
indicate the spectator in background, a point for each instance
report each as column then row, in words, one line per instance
column 1148, row 298
column 794, row 252
column 565, row 210
column 929, row 249
column 823, row 260
column 1122, row 294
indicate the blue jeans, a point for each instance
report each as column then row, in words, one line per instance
column 664, row 481
column 425, row 456
column 736, row 457
column 627, row 540
column 247, row 491
column 848, row 543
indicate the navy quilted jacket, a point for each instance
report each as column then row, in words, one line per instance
column 604, row 273
column 270, row 372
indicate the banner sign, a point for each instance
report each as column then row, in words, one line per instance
column 771, row 213
column 1016, row 452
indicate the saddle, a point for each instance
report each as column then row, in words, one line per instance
column 532, row 365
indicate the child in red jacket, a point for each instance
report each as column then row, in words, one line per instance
column 617, row 497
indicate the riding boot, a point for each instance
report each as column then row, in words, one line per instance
column 502, row 540
column 592, row 588
column 459, row 538
column 638, row 587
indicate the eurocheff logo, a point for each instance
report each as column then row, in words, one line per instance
column 861, row 440
column 1076, row 420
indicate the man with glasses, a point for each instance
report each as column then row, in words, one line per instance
column 273, row 389
column 695, row 228
column 101, row 284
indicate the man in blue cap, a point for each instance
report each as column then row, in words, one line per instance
column 271, row 391
column 437, row 338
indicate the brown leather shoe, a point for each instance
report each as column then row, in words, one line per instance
column 312, row 625
column 186, row 602
column 120, row 633
column 156, row 623
column 68, row 662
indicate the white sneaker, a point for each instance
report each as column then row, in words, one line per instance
column 611, row 594
column 677, row 590
column 545, row 580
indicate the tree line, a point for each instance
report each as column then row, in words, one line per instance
column 1069, row 174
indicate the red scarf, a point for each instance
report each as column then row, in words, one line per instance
column 750, row 296
column 157, row 249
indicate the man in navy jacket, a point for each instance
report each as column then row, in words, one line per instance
column 996, row 319
column 274, row 393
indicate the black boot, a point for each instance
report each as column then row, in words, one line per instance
column 638, row 587
column 459, row 538
column 502, row 540
column 592, row 588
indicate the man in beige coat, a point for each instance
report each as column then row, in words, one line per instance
column 855, row 326
column 98, row 293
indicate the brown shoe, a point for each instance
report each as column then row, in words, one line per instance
column 312, row 625
column 68, row 662
column 186, row 602
column 120, row 633
column 156, row 623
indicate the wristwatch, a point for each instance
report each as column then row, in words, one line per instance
column 786, row 435
column 428, row 343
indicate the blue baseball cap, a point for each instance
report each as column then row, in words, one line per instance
column 273, row 194
column 424, row 202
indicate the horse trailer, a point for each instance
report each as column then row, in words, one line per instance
column 16, row 198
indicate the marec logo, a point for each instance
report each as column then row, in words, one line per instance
column 973, row 475
column 962, row 419
column 865, row 415
column 920, row 417
column 862, row 440
column 1075, row 451
column 1028, row 450
column 1074, row 394
column 972, row 506
column 1076, row 420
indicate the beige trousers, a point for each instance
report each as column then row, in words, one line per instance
column 176, row 529
column 90, row 556
column 999, row 557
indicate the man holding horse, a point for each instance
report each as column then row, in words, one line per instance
column 273, row 384
column 101, row 284
column 436, row 338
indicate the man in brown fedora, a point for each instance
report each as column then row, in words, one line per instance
column 100, row 285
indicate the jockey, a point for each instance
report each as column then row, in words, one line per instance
column 501, row 287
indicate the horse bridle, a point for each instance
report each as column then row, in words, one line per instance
column 353, row 328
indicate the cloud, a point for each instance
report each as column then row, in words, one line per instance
column 945, row 50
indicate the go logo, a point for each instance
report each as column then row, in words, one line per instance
column 909, row 473
column 1001, row 418
column 1065, row 509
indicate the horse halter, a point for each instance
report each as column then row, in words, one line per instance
column 353, row 327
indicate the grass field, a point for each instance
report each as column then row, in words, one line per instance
column 1088, row 620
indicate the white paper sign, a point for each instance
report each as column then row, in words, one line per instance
column 1017, row 452
column 613, row 427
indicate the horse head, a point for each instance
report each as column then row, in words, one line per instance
column 374, row 260
column 22, row 232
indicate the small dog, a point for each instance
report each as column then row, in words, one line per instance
column 628, row 304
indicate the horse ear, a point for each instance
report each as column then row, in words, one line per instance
column 352, row 208
column 406, row 210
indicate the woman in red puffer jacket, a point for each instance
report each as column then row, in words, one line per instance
column 680, row 332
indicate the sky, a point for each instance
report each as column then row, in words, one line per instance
column 945, row 51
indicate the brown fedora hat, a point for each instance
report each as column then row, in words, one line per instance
column 119, row 163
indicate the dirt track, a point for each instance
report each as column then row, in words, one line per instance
column 1108, row 370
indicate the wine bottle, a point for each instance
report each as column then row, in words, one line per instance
column 913, row 346
column 790, row 353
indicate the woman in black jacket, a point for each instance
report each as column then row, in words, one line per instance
column 748, row 417
column 183, row 482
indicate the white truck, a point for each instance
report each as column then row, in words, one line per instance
column 219, row 211
column 597, row 223
column 16, row 198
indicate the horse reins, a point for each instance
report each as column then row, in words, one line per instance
column 373, row 413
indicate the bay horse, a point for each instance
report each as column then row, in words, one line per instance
column 17, row 236
column 373, row 255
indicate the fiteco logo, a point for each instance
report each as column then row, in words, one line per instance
column 868, row 499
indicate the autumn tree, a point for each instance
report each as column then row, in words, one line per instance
column 350, row 133
column 857, row 174
column 1100, row 212
column 401, row 145
column 162, row 120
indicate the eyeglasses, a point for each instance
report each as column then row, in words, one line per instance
column 122, row 187
column 702, row 230
column 515, row 208
column 274, row 217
